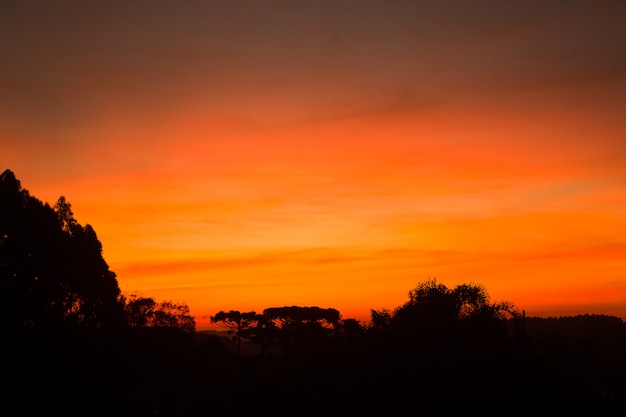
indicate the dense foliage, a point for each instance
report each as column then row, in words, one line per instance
column 52, row 273
column 145, row 312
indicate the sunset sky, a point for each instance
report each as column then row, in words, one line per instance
column 253, row 154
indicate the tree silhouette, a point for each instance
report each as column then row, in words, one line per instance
column 296, row 316
column 145, row 312
column 441, row 319
column 464, row 302
column 305, row 328
column 352, row 328
column 52, row 273
column 66, row 331
column 380, row 320
column 240, row 324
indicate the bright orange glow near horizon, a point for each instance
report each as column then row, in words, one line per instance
column 235, row 160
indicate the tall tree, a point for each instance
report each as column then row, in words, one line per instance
column 52, row 273
column 241, row 325
column 303, row 327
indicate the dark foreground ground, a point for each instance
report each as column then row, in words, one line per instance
column 557, row 372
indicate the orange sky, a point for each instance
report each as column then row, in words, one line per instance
column 335, row 154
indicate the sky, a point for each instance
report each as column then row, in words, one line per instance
column 242, row 155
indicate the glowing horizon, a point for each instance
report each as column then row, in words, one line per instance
column 245, row 158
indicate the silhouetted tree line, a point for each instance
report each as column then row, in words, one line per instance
column 283, row 327
column 446, row 351
column 71, row 343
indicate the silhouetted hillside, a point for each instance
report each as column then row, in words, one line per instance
column 599, row 336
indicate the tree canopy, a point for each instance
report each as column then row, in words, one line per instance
column 437, row 318
column 297, row 316
column 146, row 312
column 52, row 272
